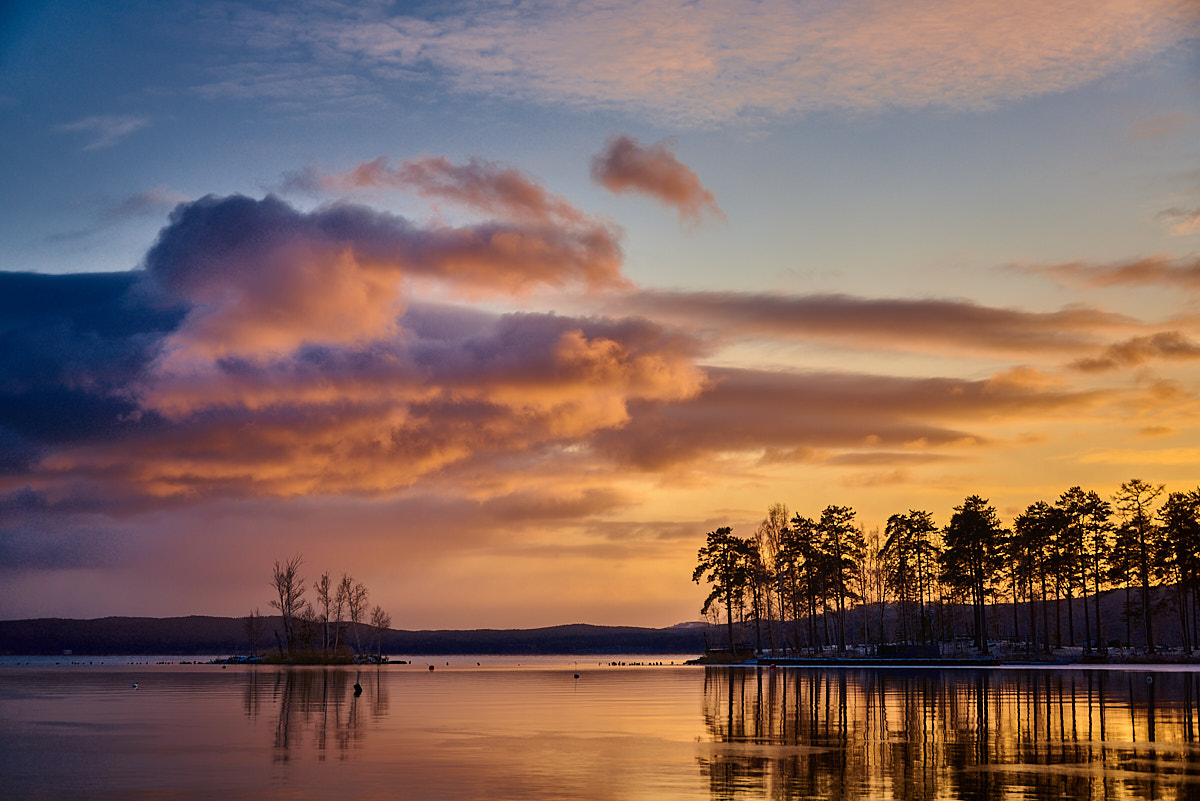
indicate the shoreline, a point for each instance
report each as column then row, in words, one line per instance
column 1090, row 662
column 568, row 661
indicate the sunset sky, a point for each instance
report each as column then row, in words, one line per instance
column 501, row 306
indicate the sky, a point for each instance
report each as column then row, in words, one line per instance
column 500, row 307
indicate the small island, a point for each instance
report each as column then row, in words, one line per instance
column 320, row 634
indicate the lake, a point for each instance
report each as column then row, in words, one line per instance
column 510, row 728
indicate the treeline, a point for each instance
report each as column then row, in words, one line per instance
column 318, row 632
column 812, row 583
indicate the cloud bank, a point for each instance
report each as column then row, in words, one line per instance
column 716, row 61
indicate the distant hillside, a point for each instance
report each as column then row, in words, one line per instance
column 227, row 636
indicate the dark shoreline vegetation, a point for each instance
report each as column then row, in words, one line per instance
column 1082, row 579
column 225, row 636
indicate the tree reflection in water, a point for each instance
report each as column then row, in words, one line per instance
column 843, row 733
column 313, row 704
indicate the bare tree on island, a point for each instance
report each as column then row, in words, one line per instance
column 254, row 627
column 289, row 586
column 323, row 586
column 380, row 620
column 354, row 595
column 339, row 609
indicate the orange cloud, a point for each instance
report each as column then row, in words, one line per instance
column 480, row 185
column 626, row 166
column 889, row 323
column 1149, row 271
column 748, row 411
column 374, row 419
column 262, row 277
column 1139, row 350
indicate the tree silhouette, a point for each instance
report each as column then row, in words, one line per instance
column 1180, row 556
column 842, row 546
column 972, row 549
column 1031, row 548
column 1097, row 526
column 725, row 562
column 1122, row 564
column 789, row 564
column 356, row 605
column 1073, row 554
column 380, row 620
column 805, row 575
column 909, row 555
column 768, row 538
column 1134, row 501
column 289, row 588
column 802, row 552
column 323, row 587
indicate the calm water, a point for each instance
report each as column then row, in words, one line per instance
column 533, row 731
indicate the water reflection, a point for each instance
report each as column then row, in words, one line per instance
column 315, row 707
column 675, row 734
column 925, row 734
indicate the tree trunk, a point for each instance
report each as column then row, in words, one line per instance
column 757, row 624
column 1016, row 635
column 1087, row 626
column 1032, row 644
column 1128, row 615
column 729, row 621
column 1096, row 597
column 1144, row 569
column 813, row 620
column 981, row 634
column 1146, row 614
column 1045, row 618
column 1183, row 617
column 1070, row 614
column 770, row 620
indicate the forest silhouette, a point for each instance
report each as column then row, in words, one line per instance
column 801, row 584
